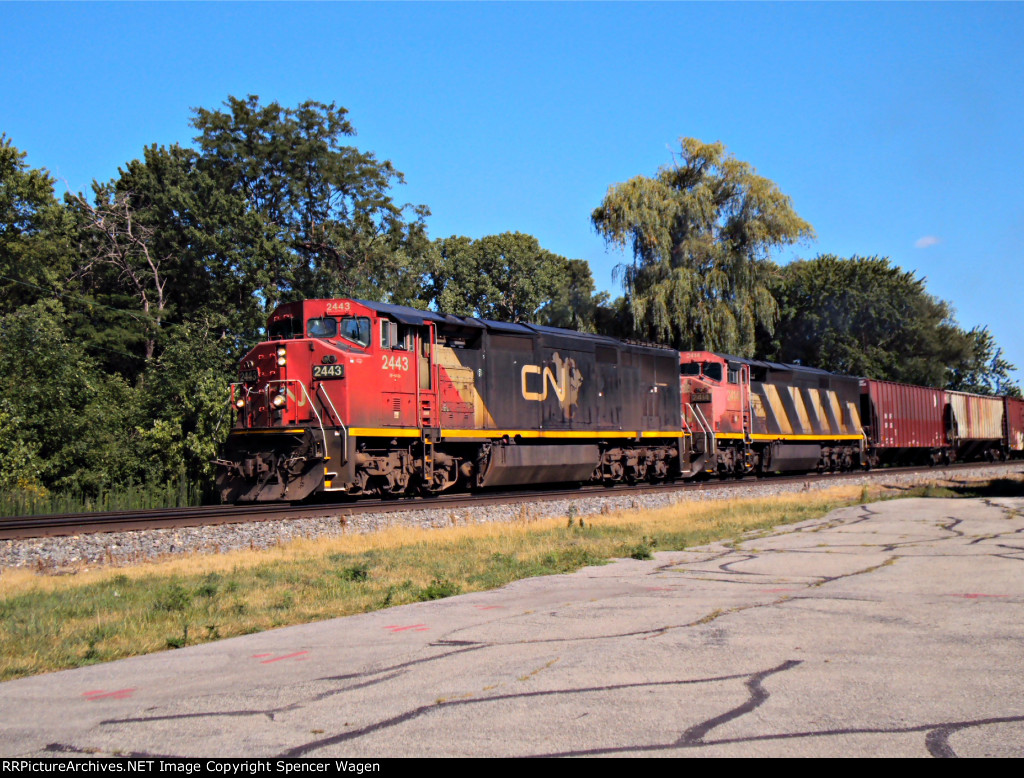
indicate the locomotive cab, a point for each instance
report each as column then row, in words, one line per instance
column 330, row 371
column 715, row 392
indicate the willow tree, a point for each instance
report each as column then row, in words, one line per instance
column 701, row 231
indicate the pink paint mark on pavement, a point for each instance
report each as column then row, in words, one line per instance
column 972, row 596
column 488, row 607
column 286, row 656
column 100, row 694
column 415, row 627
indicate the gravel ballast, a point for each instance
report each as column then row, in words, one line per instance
column 124, row 548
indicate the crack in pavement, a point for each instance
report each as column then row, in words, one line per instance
column 758, row 695
column 383, row 674
column 305, row 748
column 936, row 737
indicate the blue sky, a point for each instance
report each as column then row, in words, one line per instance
column 895, row 128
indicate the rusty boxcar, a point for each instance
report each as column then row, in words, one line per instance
column 1013, row 412
column 974, row 425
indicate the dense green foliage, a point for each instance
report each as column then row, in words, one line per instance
column 509, row 277
column 863, row 316
column 124, row 311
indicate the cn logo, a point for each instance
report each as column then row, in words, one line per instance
column 566, row 380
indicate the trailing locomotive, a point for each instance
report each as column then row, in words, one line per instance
column 360, row 398
column 754, row 416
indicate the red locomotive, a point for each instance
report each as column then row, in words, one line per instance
column 367, row 398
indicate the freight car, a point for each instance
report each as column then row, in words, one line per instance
column 368, row 398
column 1013, row 435
column 916, row 424
column 362, row 398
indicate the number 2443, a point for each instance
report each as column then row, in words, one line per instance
column 394, row 363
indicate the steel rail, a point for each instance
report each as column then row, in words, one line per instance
column 60, row 525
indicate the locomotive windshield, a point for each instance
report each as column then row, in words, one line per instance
column 322, row 328
column 356, row 329
column 353, row 328
column 713, row 370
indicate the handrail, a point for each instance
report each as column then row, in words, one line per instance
column 698, row 414
column 341, row 423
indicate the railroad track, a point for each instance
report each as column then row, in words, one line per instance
column 62, row 525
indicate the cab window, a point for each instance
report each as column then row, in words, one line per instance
column 395, row 336
column 713, row 370
column 326, row 327
column 356, row 329
column 284, row 328
column 690, row 368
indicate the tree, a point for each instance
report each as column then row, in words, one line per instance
column 863, row 316
column 186, row 410
column 73, row 422
column 701, row 232
column 507, row 277
column 126, row 244
column 327, row 224
column 35, row 255
column 574, row 303
column 984, row 371
column 165, row 210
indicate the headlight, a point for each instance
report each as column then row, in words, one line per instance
column 278, row 401
column 239, row 403
column 281, row 351
column 281, row 361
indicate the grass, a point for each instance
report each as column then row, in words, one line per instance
column 36, row 501
column 52, row 622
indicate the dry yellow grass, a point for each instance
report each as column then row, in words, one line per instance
column 498, row 538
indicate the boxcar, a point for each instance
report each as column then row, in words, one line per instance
column 974, row 425
column 1013, row 412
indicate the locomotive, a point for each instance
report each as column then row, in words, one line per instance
column 366, row 398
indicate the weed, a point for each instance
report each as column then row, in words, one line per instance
column 355, row 573
column 286, row 601
column 173, row 642
column 643, row 550
column 210, row 585
column 438, row 589
column 173, row 597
